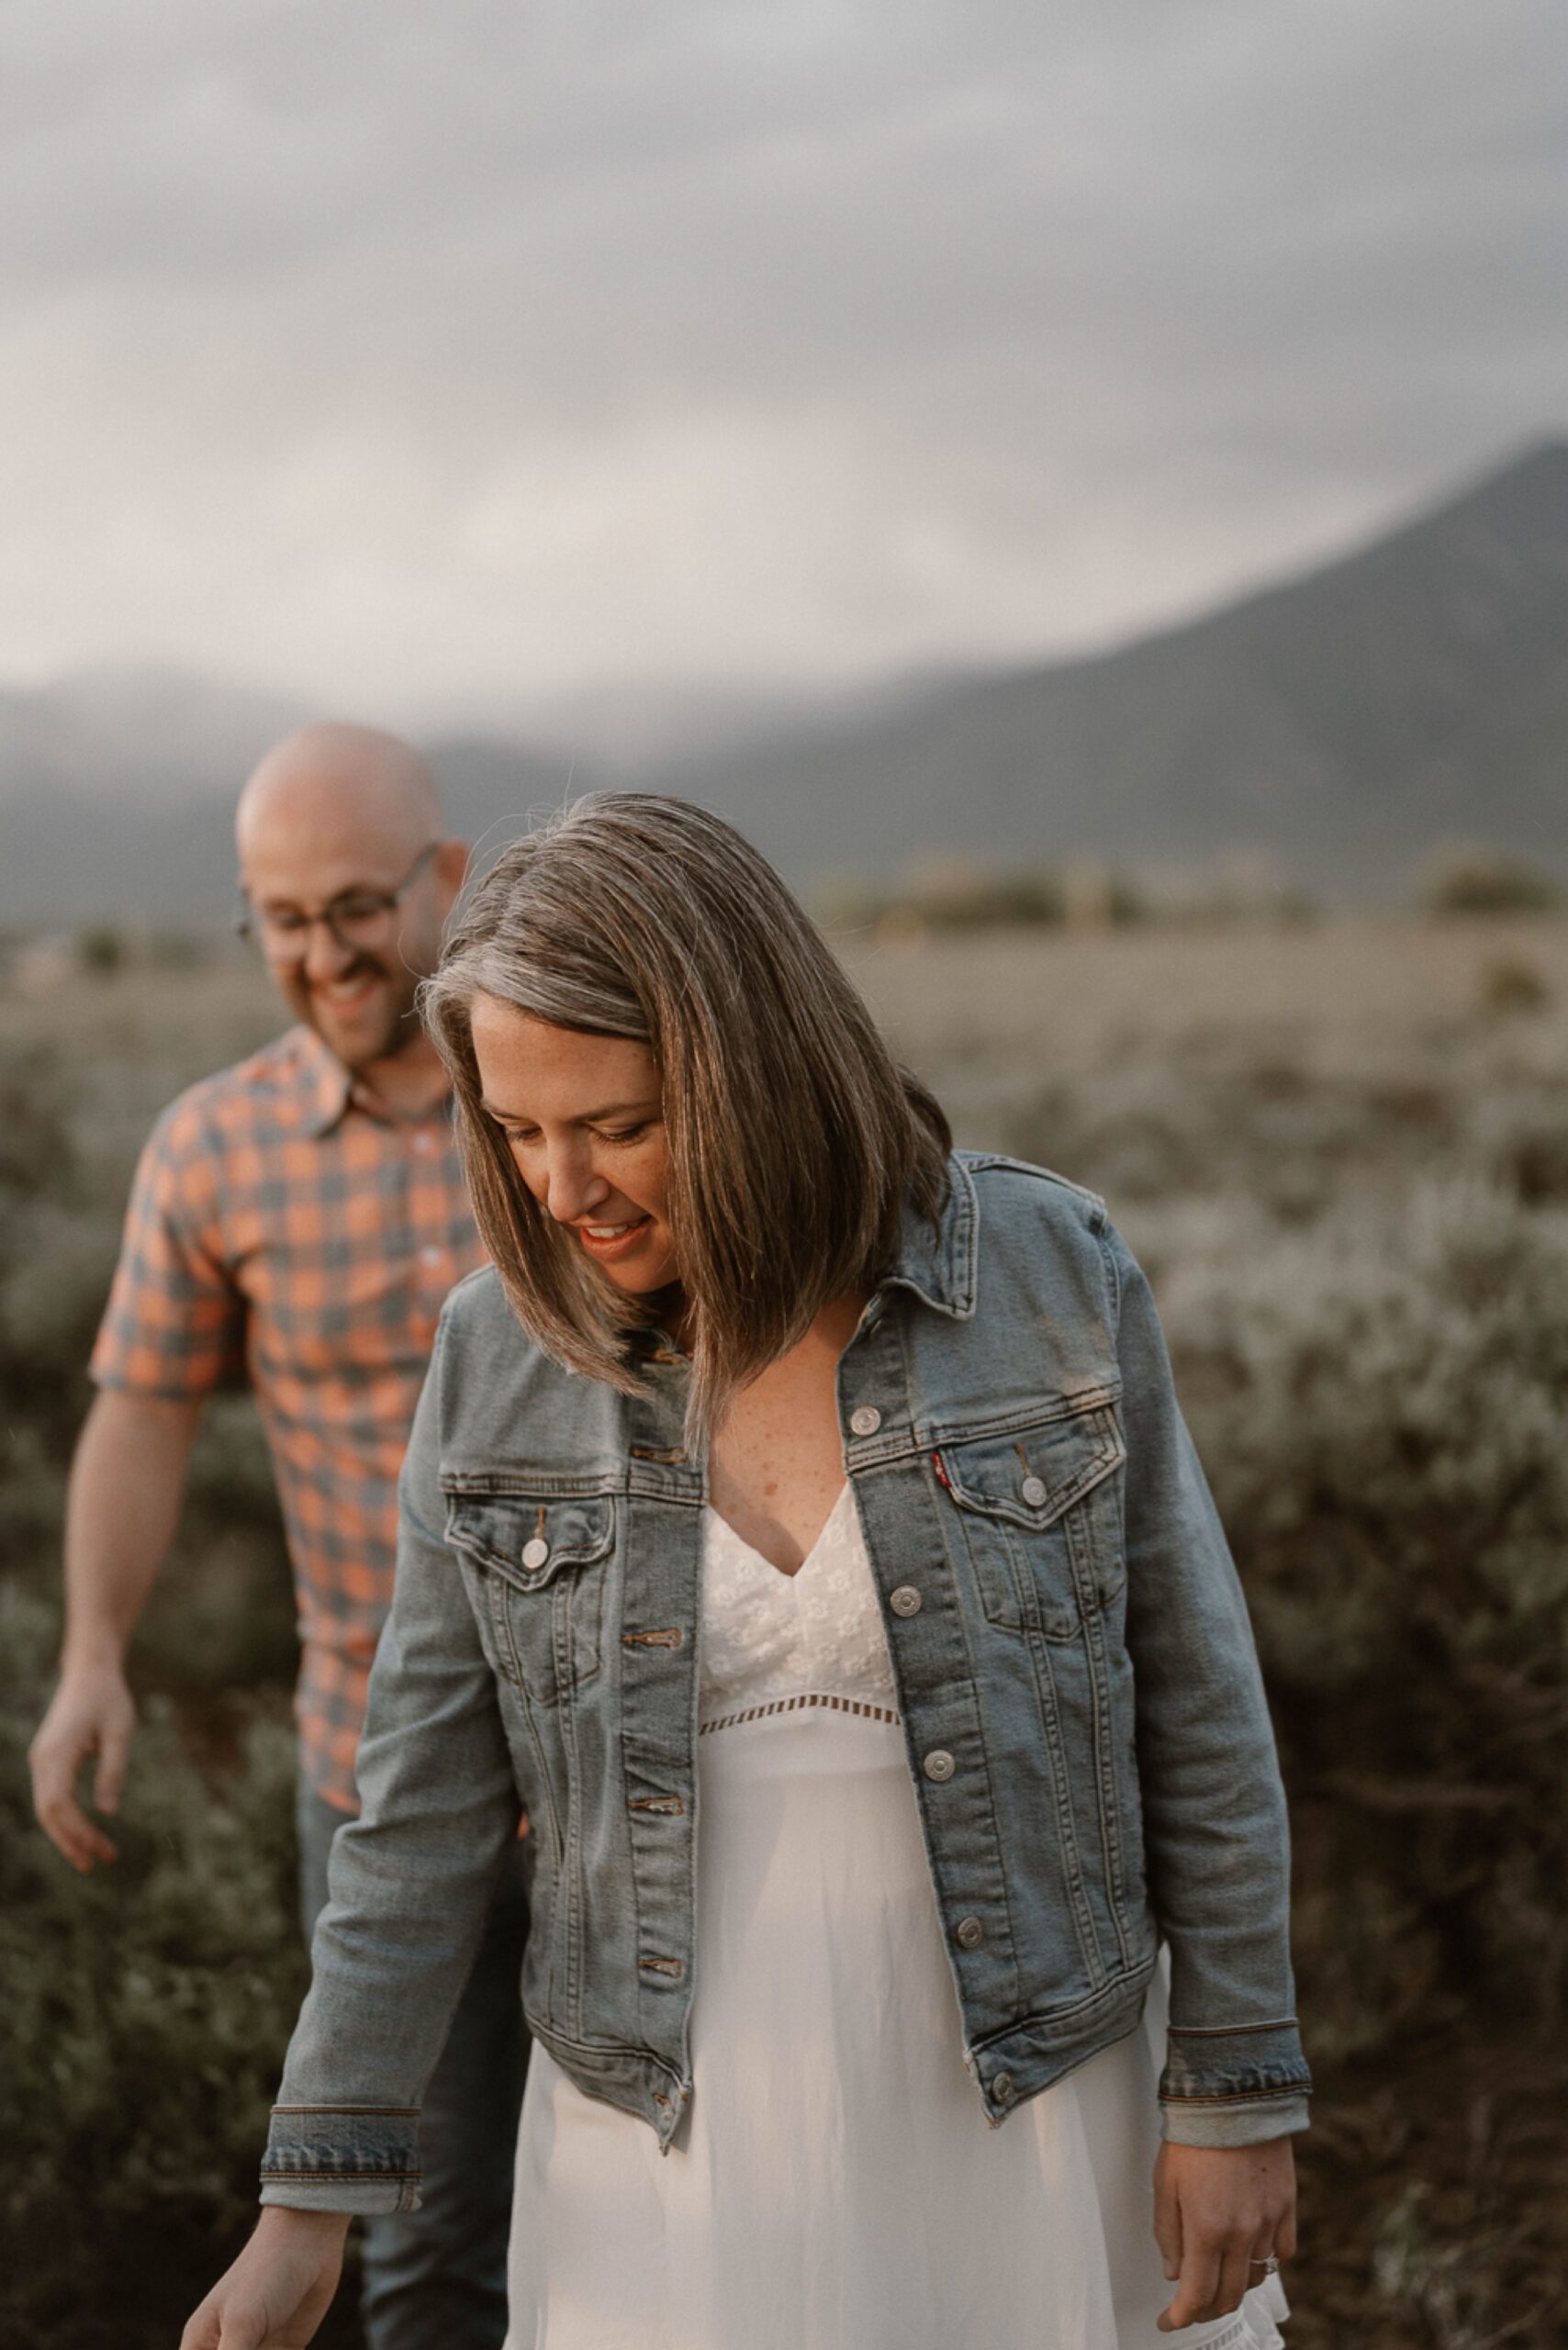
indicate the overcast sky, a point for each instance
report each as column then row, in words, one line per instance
column 476, row 356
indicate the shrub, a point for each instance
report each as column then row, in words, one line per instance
column 38, row 1156
column 1464, row 879
column 147, row 2005
column 1381, row 1405
column 952, row 893
column 955, row 894
column 1270, row 1130
column 101, row 949
column 1521, row 1137
column 1509, row 984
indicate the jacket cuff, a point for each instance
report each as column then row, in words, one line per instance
column 342, row 2158
column 1234, row 2087
column 1188, row 2124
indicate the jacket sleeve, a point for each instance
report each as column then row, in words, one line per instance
column 1216, row 1838
column 411, row 1881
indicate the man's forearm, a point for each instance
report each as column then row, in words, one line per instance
column 127, row 1483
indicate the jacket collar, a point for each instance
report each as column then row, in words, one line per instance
column 937, row 1261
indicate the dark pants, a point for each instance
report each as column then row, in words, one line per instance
column 436, row 2278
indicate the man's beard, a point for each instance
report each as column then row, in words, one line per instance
column 396, row 1031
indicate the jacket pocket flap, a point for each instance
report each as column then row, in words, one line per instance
column 530, row 1542
column 1030, row 1476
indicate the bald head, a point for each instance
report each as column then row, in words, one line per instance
column 350, row 880
column 353, row 780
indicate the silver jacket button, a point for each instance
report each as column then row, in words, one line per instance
column 969, row 1933
column 865, row 1420
column 535, row 1552
column 906, row 1600
column 1034, row 1491
column 1002, row 2087
column 940, row 1764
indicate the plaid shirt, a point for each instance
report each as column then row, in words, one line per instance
column 280, row 1231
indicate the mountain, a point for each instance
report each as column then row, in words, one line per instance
column 131, row 826
column 1413, row 690
column 145, row 735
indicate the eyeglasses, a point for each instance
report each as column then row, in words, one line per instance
column 357, row 919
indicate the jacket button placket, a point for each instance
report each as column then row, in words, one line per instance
column 930, row 1663
column 657, row 1664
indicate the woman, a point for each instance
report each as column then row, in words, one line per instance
column 800, row 1525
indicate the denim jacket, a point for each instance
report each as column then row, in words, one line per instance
column 1083, row 1718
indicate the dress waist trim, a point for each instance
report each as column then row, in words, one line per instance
column 792, row 1704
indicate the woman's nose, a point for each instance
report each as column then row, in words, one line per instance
column 573, row 1189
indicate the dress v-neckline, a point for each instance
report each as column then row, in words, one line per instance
column 785, row 1574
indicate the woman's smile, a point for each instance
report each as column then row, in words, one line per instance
column 614, row 1240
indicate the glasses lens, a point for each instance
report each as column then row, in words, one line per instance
column 280, row 940
column 361, row 921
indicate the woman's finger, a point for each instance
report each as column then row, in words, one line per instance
column 1195, row 2288
column 1166, row 2222
column 1235, row 2273
column 201, row 2331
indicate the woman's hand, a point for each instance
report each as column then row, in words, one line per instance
column 1219, row 2213
column 278, row 2290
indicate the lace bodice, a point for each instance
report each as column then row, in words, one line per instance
column 771, row 1641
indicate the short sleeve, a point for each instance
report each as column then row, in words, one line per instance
column 174, row 1325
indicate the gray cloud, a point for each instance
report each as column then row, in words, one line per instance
column 486, row 355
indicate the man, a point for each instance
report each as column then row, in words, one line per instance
column 299, row 1218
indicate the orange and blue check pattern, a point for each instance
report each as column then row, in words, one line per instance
column 280, row 1232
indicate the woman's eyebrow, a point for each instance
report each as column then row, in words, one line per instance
column 585, row 1118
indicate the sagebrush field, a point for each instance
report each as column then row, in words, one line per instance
column 1343, row 1152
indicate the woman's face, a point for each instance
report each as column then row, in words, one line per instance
column 584, row 1120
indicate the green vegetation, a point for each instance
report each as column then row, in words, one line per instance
column 102, row 949
column 1465, row 879
column 146, row 2007
column 955, row 894
column 1348, row 1178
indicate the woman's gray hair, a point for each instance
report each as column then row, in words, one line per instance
column 793, row 1139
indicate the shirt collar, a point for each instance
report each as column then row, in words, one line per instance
column 326, row 1087
column 937, row 1261
column 328, row 1090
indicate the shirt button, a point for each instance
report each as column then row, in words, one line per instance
column 430, row 1257
column 535, row 1552
column 969, row 1932
column 939, row 1765
column 866, row 1419
column 1034, row 1491
column 906, row 1600
column 1002, row 2087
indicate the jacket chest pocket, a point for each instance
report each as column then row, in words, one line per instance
column 1040, row 1511
column 540, row 1566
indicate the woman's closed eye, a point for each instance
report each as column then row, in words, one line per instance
column 527, row 1135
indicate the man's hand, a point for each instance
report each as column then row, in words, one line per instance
column 92, row 1712
column 1219, row 2213
column 280, row 2288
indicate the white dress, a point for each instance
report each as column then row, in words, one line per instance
column 836, row 2184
